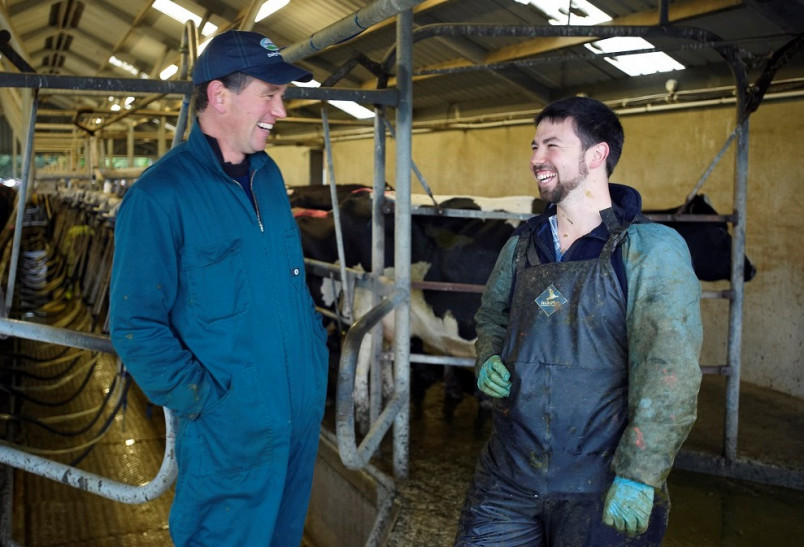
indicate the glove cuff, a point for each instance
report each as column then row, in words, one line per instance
column 622, row 481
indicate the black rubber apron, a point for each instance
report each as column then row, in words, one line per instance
column 567, row 353
column 544, row 472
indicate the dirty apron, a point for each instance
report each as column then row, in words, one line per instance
column 544, row 472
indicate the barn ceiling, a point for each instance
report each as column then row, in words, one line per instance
column 474, row 61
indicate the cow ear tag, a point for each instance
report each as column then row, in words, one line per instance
column 551, row 300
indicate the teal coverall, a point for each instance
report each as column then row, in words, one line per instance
column 211, row 314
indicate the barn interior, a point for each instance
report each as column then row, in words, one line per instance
column 92, row 92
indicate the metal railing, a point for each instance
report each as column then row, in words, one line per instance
column 72, row 476
column 356, row 456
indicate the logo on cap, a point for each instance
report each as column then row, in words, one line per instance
column 267, row 44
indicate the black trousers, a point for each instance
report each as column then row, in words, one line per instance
column 502, row 514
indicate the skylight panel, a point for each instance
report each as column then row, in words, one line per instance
column 270, row 7
column 576, row 12
column 583, row 12
column 131, row 69
column 637, row 64
column 353, row 109
column 168, row 72
column 350, row 107
column 182, row 15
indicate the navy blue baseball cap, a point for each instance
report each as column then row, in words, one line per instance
column 248, row 52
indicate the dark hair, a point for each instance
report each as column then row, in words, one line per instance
column 236, row 82
column 593, row 121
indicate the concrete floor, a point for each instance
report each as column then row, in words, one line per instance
column 707, row 510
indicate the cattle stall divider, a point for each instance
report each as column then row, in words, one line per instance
column 20, row 459
column 748, row 98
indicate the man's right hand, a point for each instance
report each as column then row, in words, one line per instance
column 494, row 378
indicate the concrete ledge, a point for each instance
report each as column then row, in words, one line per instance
column 348, row 508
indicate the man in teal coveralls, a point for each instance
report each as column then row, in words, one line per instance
column 211, row 313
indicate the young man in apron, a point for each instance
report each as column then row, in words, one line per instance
column 589, row 334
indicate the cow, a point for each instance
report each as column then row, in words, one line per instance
column 709, row 242
column 443, row 249
column 319, row 196
column 449, row 249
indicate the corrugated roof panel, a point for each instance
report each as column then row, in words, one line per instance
column 141, row 35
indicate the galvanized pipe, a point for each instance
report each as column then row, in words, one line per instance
column 56, row 335
column 102, row 486
column 336, row 216
column 71, row 84
column 413, row 165
column 378, row 244
column 87, row 83
column 347, row 28
column 402, row 250
column 22, row 197
column 736, row 303
column 189, row 52
column 744, row 110
column 352, row 455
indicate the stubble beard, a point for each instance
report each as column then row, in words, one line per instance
column 563, row 188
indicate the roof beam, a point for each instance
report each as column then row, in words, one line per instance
column 679, row 11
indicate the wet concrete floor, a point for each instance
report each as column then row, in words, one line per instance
column 706, row 510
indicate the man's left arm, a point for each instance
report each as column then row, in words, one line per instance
column 664, row 344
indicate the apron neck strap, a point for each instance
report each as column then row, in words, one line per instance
column 616, row 231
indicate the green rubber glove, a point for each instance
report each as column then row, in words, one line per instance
column 628, row 506
column 494, row 378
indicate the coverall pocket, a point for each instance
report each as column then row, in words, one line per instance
column 320, row 353
column 216, row 280
column 235, row 433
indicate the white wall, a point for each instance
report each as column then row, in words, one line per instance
column 665, row 154
column 293, row 161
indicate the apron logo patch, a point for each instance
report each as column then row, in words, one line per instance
column 550, row 301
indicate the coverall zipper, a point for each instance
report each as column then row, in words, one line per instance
column 256, row 205
column 254, row 197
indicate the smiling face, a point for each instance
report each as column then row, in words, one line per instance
column 558, row 161
column 248, row 118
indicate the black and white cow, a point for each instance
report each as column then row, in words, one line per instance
column 448, row 249
column 443, row 249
